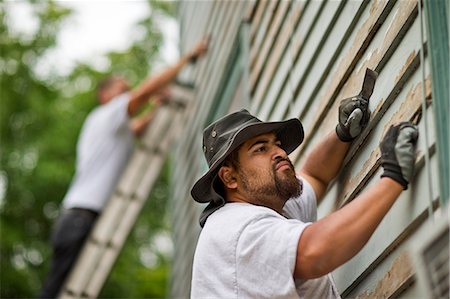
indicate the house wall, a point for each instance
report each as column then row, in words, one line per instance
column 302, row 58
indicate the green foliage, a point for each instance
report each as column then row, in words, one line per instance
column 164, row 7
column 40, row 119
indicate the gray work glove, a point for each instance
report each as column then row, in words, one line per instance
column 354, row 112
column 398, row 152
column 354, row 116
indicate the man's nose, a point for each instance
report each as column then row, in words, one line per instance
column 279, row 153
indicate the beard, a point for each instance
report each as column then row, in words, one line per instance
column 281, row 186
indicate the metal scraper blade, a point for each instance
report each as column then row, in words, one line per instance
column 369, row 83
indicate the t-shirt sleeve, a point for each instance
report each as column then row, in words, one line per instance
column 117, row 112
column 304, row 207
column 266, row 252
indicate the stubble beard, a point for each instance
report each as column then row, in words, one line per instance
column 282, row 186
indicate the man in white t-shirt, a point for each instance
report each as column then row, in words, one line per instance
column 260, row 237
column 104, row 147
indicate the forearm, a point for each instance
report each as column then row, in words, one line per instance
column 155, row 83
column 139, row 125
column 324, row 162
column 330, row 242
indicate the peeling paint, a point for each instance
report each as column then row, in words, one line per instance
column 257, row 18
column 406, row 111
column 262, row 29
column 406, row 9
column 400, row 272
column 413, row 103
column 362, row 34
column 392, row 22
column 366, row 58
column 259, row 87
column 409, row 60
column 353, row 84
column 258, row 62
column 376, row 4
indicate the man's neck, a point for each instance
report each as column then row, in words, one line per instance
column 274, row 204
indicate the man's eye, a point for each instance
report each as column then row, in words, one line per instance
column 260, row 149
column 278, row 144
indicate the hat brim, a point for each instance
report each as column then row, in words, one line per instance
column 289, row 133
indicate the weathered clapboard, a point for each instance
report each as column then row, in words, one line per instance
column 304, row 57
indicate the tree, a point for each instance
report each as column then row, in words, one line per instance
column 40, row 119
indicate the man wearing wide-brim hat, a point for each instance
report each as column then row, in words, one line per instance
column 260, row 237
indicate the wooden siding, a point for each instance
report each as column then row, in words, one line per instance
column 304, row 58
column 220, row 20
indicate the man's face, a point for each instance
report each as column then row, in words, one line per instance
column 265, row 173
column 117, row 87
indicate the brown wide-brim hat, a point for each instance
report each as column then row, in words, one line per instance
column 225, row 135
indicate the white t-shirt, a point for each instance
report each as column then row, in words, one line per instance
column 104, row 147
column 249, row 251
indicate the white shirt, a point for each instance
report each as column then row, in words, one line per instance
column 249, row 251
column 104, row 147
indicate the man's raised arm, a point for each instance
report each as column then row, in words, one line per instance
column 333, row 240
column 141, row 95
column 323, row 163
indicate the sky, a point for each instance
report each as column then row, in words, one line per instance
column 95, row 27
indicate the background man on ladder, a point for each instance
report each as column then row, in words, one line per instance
column 104, row 147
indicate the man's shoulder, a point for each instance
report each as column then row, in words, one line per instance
column 109, row 111
column 118, row 102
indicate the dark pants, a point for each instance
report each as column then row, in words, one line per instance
column 70, row 232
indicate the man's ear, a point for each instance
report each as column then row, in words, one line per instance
column 227, row 175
